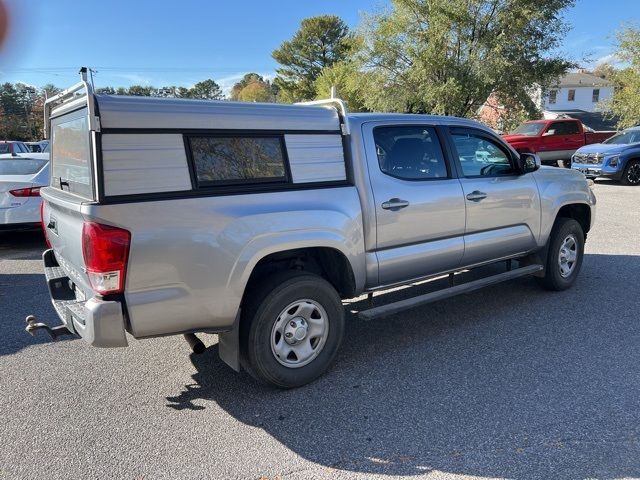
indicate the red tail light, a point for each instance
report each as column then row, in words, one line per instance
column 105, row 250
column 44, row 227
column 26, row 192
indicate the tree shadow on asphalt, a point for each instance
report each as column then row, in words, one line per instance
column 511, row 381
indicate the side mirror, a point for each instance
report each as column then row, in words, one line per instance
column 528, row 162
column 548, row 133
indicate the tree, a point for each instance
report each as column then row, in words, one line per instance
column 139, row 91
column 347, row 79
column 246, row 80
column 253, row 88
column 320, row 42
column 448, row 56
column 207, row 89
column 625, row 103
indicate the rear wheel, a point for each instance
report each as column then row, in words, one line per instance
column 631, row 175
column 291, row 329
column 564, row 259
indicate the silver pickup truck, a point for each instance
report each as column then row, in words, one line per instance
column 254, row 221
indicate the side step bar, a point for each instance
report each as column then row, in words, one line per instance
column 391, row 308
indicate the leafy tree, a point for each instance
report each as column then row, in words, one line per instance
column 347, row 79
column 253, row 88
column 207, row 89
column 246, row 80
column 256, row 92
column 625, row 103
column 448, row 56
column 106, row 90
column 320, row 42
column 139, row 91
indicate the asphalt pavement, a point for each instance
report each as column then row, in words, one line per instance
column 507, row 382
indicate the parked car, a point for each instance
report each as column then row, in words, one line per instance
column 617, row 157
column 13, row 148
column 554, row 140
column 254, row 221
column 37, row 147
column 20, row 182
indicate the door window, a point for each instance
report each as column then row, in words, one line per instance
column 410, row 153
column 481, row 157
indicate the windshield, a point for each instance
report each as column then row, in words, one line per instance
column 624, row 138
column 529, row 129
column 4, row 148
column 21, row 167
column 46, row 149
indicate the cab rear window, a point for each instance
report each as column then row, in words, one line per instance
column 71, row 154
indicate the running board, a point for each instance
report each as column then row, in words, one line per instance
column 391, row 308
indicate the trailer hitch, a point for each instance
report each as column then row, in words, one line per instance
column 33, row 326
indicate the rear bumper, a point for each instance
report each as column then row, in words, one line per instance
column 99, row 322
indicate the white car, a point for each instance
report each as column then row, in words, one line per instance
column 20, row 182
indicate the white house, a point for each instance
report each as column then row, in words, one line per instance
column 575, row 91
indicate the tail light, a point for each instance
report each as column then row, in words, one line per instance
column 44, row 227
column 105, row 250
column 26, row 192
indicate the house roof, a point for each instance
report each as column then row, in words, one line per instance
column 579, row 79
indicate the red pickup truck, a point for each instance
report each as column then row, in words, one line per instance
column 555, row 139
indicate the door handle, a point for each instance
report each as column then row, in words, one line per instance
column 476, row 196
column 395, row 204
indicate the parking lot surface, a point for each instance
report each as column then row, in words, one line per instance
column 510, row 381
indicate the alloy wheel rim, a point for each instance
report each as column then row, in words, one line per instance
column 568, row 255
column 299, row 333
column 633, row 175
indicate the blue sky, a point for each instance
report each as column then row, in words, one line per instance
column 181, row 42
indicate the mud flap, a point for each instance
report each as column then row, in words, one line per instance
column 229, row 345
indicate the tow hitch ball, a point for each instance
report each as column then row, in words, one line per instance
column 33, row 326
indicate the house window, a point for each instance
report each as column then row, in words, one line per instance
column 572, row 95
column 595, row 97
column 553, row 94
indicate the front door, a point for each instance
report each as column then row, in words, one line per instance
column 419, row 206
column 503, row 206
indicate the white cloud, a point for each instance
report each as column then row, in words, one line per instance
column 134, row 78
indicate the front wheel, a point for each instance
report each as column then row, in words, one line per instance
column 564, row 259
column 291, row 329
column 631, row 175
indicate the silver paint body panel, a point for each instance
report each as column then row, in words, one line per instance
column 316, row 158
column 144, row 163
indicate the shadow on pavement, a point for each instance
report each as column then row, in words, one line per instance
column 22, row 245
column 511, row 381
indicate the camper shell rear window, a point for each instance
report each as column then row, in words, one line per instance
column 71, row 163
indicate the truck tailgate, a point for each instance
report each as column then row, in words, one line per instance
column 63, row 220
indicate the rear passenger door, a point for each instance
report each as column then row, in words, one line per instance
column 419, row 205
column 502, row 205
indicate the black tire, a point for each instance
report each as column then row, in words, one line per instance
column 261, row 311
column 631, row 175
column 554, row 278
